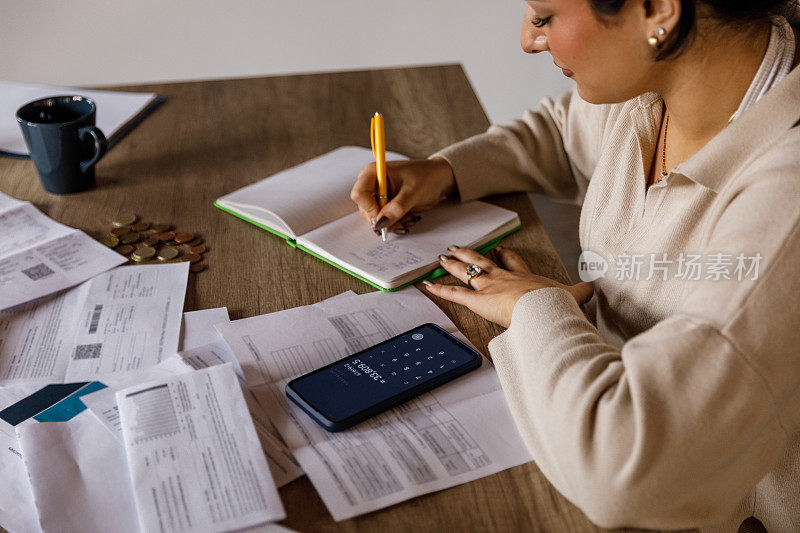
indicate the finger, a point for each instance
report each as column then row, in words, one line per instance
column 471, row 256
column 364, row 190
column 511, row 260
column 582, row 292
column 453, row 293
column 393, row 211
column 459, row 270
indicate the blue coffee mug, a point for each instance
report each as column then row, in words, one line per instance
column 63, row 141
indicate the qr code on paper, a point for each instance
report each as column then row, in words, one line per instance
column 38, row 272
column 88, row 351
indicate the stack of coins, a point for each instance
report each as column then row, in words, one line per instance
column 142, row 242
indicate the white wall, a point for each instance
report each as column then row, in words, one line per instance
column 94, row 42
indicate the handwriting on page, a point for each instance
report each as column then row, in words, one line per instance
column 387, row 256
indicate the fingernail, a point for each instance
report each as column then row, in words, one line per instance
column 372, row 221
column 427, row 283
column 452, row 248
column 382, row 222
column 443, row 258
column 400, row 231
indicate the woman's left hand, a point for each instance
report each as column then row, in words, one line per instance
column 495, row 291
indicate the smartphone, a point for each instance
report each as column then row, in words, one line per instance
column 353, row 389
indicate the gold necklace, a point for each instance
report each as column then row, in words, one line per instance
column 664, row 152
column 664, row 172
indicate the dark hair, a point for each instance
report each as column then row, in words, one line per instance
column 741, row 13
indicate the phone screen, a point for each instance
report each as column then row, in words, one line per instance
column 357, row 383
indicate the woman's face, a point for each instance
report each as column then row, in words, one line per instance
column 609, row 63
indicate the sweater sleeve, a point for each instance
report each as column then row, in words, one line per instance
column 674, row 428
column 551, row 151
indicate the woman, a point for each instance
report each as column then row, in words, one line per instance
column 680, row 405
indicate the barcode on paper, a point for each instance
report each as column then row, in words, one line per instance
column 88, row 351
column 95, row 318
column 38, row 272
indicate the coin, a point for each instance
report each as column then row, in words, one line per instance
column 120, row 231
column 124, row 220
column 143, row 253
column 196, row 241
column 160, row 228
column 197, row 267
column 129, row 238
column 192, row 258
column 164, row 236
column 140, row 226
column 199, row 249
column 109, row 240
column 184, row 237
column 167, row 253
column 150, row 241
column 125, row 249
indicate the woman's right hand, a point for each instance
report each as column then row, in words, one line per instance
column 414, row 186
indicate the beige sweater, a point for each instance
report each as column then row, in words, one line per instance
column 680, row 406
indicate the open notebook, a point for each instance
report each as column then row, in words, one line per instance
column 309, row 205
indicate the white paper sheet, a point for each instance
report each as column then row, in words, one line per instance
column 103, row 403
column 193, row 454
column 114, row 109
column 119, row 322
column 79, row 476
column 17, row 509
column 202, row 345
column 198, row 327
column 457, row 433
column 39, row 256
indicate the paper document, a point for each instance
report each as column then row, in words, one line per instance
column 103, row 403
column 17, row 509
column 119, row 322
column 79, row 476
column 39, row 256
column 457, row 433
column 115, row 110
column 202, row 346
column 193, row 454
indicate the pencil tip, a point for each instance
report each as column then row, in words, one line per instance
column 383, row 234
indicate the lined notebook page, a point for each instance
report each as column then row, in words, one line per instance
column 351, row 243
column 309, row 195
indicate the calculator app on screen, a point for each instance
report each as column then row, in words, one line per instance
column 425, row 355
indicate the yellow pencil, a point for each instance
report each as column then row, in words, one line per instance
column 378, row 138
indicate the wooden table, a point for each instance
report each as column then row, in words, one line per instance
column 212, row 137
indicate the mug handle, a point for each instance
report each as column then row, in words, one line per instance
column 100, row 145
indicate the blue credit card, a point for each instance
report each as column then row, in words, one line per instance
column 53, row 403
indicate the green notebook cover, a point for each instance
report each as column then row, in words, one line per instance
column 435, row 273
